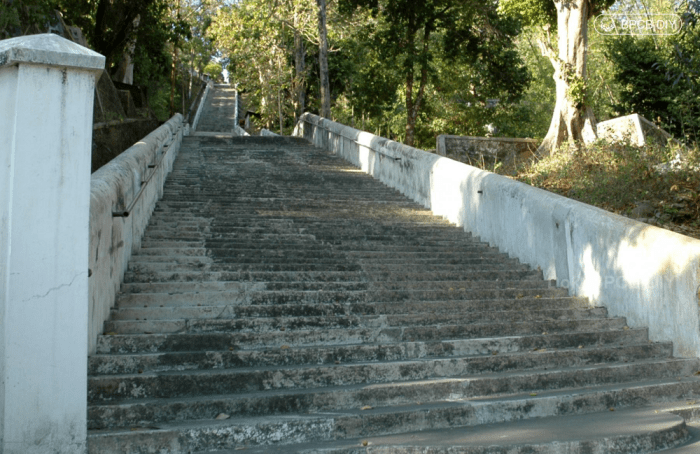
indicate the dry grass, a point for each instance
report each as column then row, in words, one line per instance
column 624, row 179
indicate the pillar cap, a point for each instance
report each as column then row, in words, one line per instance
column 51, row 50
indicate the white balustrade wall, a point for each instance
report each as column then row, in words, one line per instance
column 645, row 273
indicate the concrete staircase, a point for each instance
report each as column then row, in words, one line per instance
column 219, row 110
column 283, row 301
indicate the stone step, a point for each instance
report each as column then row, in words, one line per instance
column 238, row 202
column 428, row 331
column 320, row 309
column 227, row 357
column 460, row 378
column 535, row 373
column 431, row 311
column 238, row 292
column 165, row 270
column 291, row 204
column 207, row 334
column 395, row 276
column 276, row 432
column 355, row 267
column 623, row 431
column 247, row 278
column 183, row 319
column 319, row 257
column 319, row 252
column 199, row 271
column 146, row 301
column 293, row 247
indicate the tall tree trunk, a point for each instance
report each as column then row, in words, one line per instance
column 173, row 74
column 572, row 120
column 299, row 71
column 413, row 105
column 125, row 70
column 323, row 60
column 279, row 94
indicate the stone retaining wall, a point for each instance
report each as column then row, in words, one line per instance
column 485, row 150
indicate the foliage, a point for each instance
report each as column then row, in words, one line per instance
column 420, row 40
column 616, row 177
column 214, row 70
column 258, row 46
column 543, row 12
column 530, row 117
column 22, row 17
column 658, row 78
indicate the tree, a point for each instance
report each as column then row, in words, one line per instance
column 323, row 60
column 659, row 76
column 258, row 46
column 24, row 17
column 573, row 118
column 409, row 35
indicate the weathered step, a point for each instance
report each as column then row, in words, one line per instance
column 331, row 316
column 143, row 302
column 291, row 247
column 349, row 334
column 255, row 277
column 223, row 357
column 464, row 377
column 217, row 337
column 316, row 218
column 204, row 318
column 301, row 240
column 321, row 220
column 198, row 269
column 624, row 431
column 319, row 286
column 319, row 252
column 236, row 433
column 309, row 401
column 238, row 293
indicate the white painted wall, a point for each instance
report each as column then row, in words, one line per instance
column 114, row 239
column 208, row 88
column 644, row 273
column 46, row 93
column 267, row 133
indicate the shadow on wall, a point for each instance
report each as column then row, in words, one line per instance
column 644, row 273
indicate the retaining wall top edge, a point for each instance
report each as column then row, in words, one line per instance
column 490, row 139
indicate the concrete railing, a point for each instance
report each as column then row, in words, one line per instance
column 644, row 273
column 240, row 132
column 123, row 194
column 202, row 101
column 267, row 133
column 47, row 85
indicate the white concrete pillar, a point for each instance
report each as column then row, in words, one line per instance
column 46, row 99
